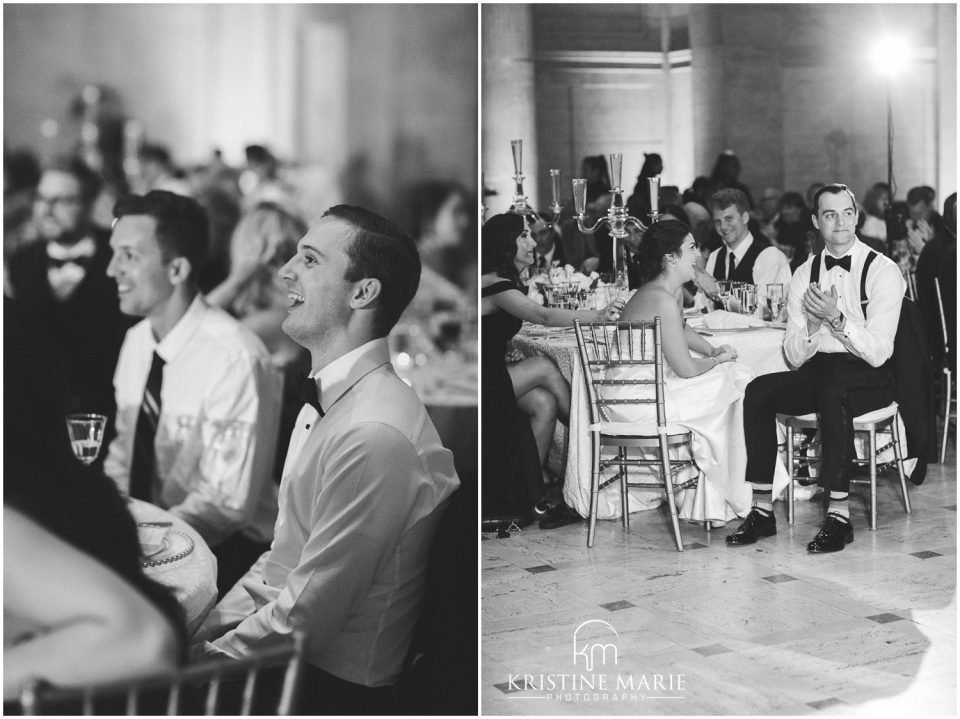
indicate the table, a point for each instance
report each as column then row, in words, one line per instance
column 192, row 578
column 758, row 348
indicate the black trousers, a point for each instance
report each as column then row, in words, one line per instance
column 838, row 386
column 235, row 555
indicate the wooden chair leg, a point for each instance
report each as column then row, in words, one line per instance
column 898, row 453
column 594, row 487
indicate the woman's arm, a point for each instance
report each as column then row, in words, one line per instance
column 517, row 304
column 96, row 626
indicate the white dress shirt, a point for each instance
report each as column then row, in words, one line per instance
column 770, row 267
column 217, row 432
column 362, row 493
column 869, row 338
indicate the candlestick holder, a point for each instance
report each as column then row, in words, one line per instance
column 555, row 206
column 617, row 218
column 520, row 205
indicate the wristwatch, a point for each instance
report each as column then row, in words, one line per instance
column 838, row 322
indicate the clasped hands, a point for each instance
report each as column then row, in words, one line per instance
column 819, row 306
column 724, row 353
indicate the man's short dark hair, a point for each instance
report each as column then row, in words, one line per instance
column 834, row 188
column 722, row 199
column 380, row 250
column 89, row 181
column 922, row 194
column 182, row 227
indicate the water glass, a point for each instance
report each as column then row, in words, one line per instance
column 774, row 301
column 748, row 299
column 86, row 435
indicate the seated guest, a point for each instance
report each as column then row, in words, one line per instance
column 839, row 347
column 157, row 172
column 792, row 229
column 703, row 392
column 743, row 257
column 60, row 284
column 441, row 227
column 875, row 204
column 638, row 204
column 365, row 483
column 561, row 246
column 198, row 398
column 70, row 620
column 928, row 270
column 534, row 386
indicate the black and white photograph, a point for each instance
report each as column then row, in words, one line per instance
column 718, row 321
column 240, row 359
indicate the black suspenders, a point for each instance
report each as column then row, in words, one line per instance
column 815, row 276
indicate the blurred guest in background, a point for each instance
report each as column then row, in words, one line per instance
column 875, row 203
column 198, row 398
column 440, row 225
column 21, row 175
column 638, row 204
column 766, row 212
column 792, row 229
column 929, row 264
column 253, row 292
column 726, row 176
column 696, row 199
column 261, row 181
column 157, row 172
column 594, row 169
column 60, row 283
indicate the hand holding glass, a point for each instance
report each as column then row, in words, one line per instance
column 86, row 435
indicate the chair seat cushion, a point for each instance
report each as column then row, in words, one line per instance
column 877, row 415
column 634, row 429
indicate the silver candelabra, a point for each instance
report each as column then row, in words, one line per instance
column 617, row 217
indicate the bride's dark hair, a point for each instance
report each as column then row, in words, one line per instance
column 498, row 245
column 661, row 239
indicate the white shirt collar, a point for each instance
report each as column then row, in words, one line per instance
column 341, row 374
column 178, row 336
column 742, row 247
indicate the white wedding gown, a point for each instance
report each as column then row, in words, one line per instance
column 710, row 405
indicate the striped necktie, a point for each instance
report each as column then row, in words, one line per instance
column 143, row 466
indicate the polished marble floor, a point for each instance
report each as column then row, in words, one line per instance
column 760, row 630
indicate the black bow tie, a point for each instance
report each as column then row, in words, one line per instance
column 307, row 389
column 843, row 262
column 81, row 262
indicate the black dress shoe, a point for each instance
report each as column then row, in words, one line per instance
column 836, row 533
column 559, row 516
column 755, row 525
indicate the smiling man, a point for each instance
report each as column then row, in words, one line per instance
column 198, row 399
column 364, row 485
column 839, row 346
column 743, row 257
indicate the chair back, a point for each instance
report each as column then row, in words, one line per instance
column 208, row 688
column 606, row 345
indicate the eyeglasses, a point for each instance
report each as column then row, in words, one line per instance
column 56, row 200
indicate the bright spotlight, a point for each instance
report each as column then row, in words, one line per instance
column 891, row 55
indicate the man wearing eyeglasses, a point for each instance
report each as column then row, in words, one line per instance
column 59, row 284
column 839, row 346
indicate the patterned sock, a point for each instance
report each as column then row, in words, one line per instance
column 839, row 504
column 763, row 498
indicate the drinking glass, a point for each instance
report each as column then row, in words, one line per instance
column 774, row 300
column 748, row 299
column 724, row 292
column 86, row 435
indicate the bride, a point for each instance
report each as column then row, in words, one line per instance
column 703, row 384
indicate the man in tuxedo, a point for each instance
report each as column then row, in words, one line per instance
column 365, row 483
column 562, row 245
column 743, row 256
column 59, row 283
column 839, row 346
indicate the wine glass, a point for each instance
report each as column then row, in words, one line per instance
column 724, row 292
column 86, row 435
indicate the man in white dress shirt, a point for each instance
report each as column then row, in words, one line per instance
column 840, row 346
column 742, row 257
column 198, row 399
column 364, row 485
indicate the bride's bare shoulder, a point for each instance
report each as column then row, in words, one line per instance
column 651, row 301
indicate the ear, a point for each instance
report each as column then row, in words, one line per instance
column 816, row 222
column 178, row 270
column 365, row 293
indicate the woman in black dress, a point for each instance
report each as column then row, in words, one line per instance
column 521, row 403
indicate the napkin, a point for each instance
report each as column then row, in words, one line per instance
column 723, row 320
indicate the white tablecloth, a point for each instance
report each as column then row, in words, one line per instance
column 760, row 349
column 193, row 579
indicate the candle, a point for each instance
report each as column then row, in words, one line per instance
column 555, row 185
column 654, row 183
column 517, row 147
column 616, row 163
column 579, row 195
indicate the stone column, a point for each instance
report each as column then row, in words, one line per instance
column 508, row 107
